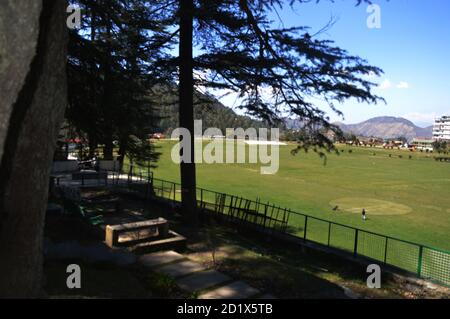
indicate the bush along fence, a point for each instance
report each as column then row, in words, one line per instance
column 424, row 261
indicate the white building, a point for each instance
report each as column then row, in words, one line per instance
column 441, row 128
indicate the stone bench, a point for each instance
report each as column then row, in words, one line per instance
column 136, row 231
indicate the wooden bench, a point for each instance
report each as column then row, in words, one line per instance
column 149, row 228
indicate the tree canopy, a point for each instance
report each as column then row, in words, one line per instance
column 111, row 71
column 274, row 71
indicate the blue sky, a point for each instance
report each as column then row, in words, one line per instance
column 412, row 47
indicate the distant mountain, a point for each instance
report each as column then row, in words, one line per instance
column 206, row 108
column 292, row 124
column 387, row 127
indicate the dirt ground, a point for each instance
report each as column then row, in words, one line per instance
column 284, row 271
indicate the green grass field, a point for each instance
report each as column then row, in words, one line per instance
column 404, row 198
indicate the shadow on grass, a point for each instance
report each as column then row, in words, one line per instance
column 282, row 280
column 287, row 271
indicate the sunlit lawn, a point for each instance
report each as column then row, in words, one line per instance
column 405, row 198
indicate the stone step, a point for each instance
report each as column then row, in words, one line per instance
column 181, row 268
column 159, row 258
column 175, row 241
column 235, row 290
column 202, row 280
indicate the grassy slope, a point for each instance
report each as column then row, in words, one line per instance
column 304, row 184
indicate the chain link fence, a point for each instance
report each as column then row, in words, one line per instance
column 426, row 262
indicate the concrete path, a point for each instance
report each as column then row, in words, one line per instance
column 193, row 277
column 202, row 280
column 235, row 290
column 181, row 268
column 160, row 258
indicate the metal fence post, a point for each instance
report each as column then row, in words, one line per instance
column 201, row 197
column 385, row 249
column 306, row 226
column 419, row 263
column 265, row 216
column 355, row 250
column 329, row 233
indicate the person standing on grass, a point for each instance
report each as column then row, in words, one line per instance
column 364, row 214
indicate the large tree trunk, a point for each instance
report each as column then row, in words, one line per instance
column 188, row 182
column 108, row 150
column 33, row 89
column 92, row 146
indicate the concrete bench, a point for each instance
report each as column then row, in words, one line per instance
column 136, row 231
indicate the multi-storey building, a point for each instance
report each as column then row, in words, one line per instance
column 441, row 128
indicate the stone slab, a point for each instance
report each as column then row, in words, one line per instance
column 181, row 268
column 202, row 280
column 235, row 290
column 159, row 258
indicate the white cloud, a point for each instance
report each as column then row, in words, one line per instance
column 386, row 84
column 403, row 85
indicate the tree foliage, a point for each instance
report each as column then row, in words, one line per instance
column 440, row 146
column 111, row 68
column 274, row 71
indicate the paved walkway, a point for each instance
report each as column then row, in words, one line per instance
column 193, row 277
